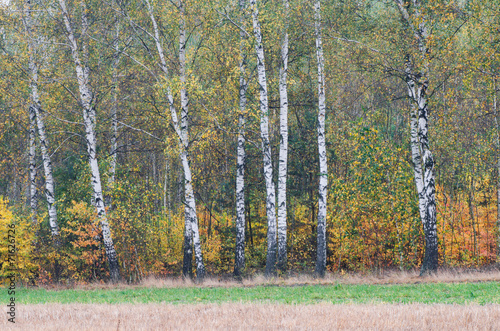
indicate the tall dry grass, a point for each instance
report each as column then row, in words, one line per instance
column 255, row 317
column 386, row 277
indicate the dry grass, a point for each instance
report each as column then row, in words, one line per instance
column 254, row 317
column 386, row 277
column 239, row 316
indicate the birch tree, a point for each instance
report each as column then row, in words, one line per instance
column 323, row 168
column 191, row 232
column 190, row 207
column 114, row 107
column 417, row 79
column 36, row 115
column 89, row 117
column 283, row 153
column 239, row 263
column 265, row 143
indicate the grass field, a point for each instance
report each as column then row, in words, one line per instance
column 449, row 301
column 430, row 293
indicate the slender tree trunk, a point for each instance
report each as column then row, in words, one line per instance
column 423, row 161
column 114, row 119
column 416, row 153
column 283, row 154
column 181, row 129
column 33, row 199
column 323, row 167
column 191, row 217
column 32, row 165
column 114, row 110
column 37, row 112
column 239, row 264
column 190, row 208
column 187, row 261
column 266, row 146
column 430, row 263
column 89, row 117
column 424, row 171
column 47, row 167
column 239, row 260
column 188, row 232
column 473, row 218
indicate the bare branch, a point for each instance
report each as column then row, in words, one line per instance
column 233, row 22
column 141, row 130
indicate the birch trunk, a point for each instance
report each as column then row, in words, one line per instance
column 239, row 260
column 323, row 168
column 423, row 161
column 187, row 261
column 32, row 165
column 114, row 111
column 283, row 154
column 266, row 146
column 89, row 118
column 33, row 197
column 47, row 167
column 190, row 209
column 416, row 153
column 181, row 129
column 188, row 233
column 38, row 115
column 428, row 195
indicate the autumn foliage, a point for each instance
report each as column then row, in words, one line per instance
column 373, row 219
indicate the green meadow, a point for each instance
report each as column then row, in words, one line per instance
column 427, row 293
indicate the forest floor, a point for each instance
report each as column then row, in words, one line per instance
column 387, row 301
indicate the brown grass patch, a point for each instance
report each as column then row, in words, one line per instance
column 385, row 277
column 254, row 317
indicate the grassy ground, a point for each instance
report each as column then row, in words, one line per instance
column 427, row 293
column 389, row 301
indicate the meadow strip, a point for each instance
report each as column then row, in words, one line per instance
column 428, row 293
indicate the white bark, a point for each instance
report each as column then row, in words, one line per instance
column 182, row 73
column 47, row 167
column 416, row 153
column 239, row 263
column 33, row 198
column 190, row 209
column 283, row 154
column 38, row 115
column 32, row 166
column 86, row 99
column 188, row 231
column 429, row 193
column 33, row 125
column 114, row 110
column 266, row 146
column 191, row 220
column 418, row 82
column 323, row 168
